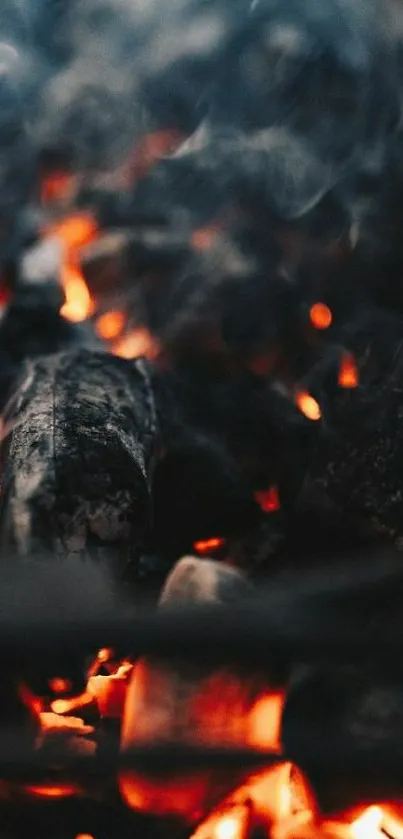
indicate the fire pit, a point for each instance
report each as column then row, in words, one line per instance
column 201, row 491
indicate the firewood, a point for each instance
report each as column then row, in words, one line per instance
column 78, row 441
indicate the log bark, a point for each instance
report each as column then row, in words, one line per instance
column 79, row 438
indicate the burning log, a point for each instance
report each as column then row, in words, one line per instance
column 78, row 441
column 190, row 704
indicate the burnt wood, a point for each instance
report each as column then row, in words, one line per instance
column 79, row 438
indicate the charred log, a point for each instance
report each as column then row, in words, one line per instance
column 79, row 437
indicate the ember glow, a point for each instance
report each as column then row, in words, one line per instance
column 203, row 238
column 308, row 405
column 65, row 706
column 232, row 824
column 52, row 791
column 265, row 722
column 348, row 372
column 138, row 342
column 59, row 685
column 206, row 546
column 268, row 499
column 57, row 186
column 110, row 325
column 367, row 826
column 320, row 316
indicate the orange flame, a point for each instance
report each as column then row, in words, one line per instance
column 110, row 325
column 74, row 232
column 348, row 372
column 268, row 499
column 308, row 405
column 205, row 546
column 78, row 305
column 137, row 343
column 320, row 315
column 59, row 685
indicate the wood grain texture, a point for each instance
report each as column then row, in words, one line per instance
column 79, row 438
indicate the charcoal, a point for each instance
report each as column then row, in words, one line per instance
column 186, row 702
column 79, row 436
column 357, row 462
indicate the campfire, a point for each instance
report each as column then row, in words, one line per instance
column 201, row 496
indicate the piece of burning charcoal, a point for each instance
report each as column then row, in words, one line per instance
column 358, row 456
column 78, row 439
column 185, row 704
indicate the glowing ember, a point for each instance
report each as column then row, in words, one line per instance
column 228, row 824
column 110, row 325
column 308, row 405
column 57, row 186
column 268, row 499
column 320, row 315
column 368, row 825
column 105, row 654
column 205, row 546
column 84, row 836
column 137, row 343
column 59, row 685
column 56, row 791
column 203, row 239
column 348, row 372
column 78, row 305
column 265, row 722
column 64, row 706
column 229, row 827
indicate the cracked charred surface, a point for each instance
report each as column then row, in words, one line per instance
column 79, row 437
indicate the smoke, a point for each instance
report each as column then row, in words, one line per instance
column 290, row 164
